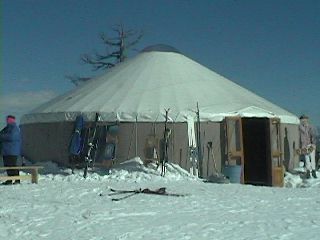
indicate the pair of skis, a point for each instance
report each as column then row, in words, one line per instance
column 92, row 146
column 195, row 147
column 129, row 193
column 84, row 143
column 199, row 147
column 166, row 135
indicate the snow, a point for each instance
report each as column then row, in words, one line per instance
column 67, row 206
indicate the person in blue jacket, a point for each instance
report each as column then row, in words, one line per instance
column 10, row 139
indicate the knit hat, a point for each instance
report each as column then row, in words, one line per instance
column 11, row 119
column 303, row 116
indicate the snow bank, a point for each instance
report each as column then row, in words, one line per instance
column 132, row 170
column 135, row 171
column 296, row 179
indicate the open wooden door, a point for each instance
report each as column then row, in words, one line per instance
column 234, row 144
column 277, row 167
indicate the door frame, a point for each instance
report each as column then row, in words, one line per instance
column 276, row 161
column 234, row 149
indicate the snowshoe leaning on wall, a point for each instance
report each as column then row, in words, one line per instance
column 76, row 143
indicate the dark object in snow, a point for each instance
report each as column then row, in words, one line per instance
column 159, row 191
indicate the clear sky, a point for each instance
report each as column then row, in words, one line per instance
column 270, row 47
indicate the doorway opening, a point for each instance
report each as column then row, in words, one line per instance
column 256, row 150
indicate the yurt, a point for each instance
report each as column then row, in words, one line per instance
column 232, row 128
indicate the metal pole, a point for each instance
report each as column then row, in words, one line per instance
column 136, row 136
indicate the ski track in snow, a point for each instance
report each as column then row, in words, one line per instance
column 65, row 206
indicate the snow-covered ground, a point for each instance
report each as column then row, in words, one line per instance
column 67, row 206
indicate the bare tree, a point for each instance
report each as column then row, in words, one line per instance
column 116, row 51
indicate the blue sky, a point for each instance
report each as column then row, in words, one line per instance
column 270, row 47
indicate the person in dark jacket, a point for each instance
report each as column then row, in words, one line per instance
column 10, row 139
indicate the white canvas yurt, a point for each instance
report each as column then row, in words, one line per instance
column 235, row 126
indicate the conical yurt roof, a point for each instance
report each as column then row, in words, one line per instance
column 158, row 78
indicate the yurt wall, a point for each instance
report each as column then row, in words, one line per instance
column 50, row 141
column 212, row 147
column 149, row 136
column 46, row 141
column 144, row 140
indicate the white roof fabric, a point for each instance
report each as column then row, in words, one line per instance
column 141, row 88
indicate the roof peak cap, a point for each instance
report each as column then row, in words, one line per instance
column 160, row 48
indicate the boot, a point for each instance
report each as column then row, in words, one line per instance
column 8, row 182
column 308, row 174
column 314, row 175
column 16, row 182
